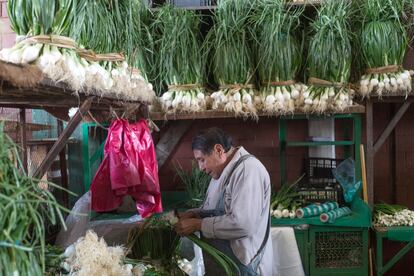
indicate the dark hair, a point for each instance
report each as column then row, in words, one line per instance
column 206, row 139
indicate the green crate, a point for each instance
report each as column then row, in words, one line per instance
column 338, row 251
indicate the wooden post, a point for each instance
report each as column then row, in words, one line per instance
column 63, row 138
column 23, row 138
column 370, row 151
column 63, row 166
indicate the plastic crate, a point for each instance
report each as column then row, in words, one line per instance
column 321, row 195
column 319, row 172
column 339, row 251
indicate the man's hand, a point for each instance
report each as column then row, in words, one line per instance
column 186, row 215
column 187, row 226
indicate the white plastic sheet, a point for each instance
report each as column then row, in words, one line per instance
column 286, row 255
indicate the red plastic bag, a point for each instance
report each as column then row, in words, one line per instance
column 129, row 168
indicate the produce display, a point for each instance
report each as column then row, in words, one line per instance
column 286, row 201
column 47, row 33
column 383, row 43
column 232, row 59
column 279, row 57
column 181, row 60
column 392, row 215
column 26, row 206
column 329, row 59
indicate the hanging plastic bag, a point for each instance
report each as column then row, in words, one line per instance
column 345, row 174
column 129, row 168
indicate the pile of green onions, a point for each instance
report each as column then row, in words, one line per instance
column 329, row 59
column 383, row 44
column 279, row 55
column 25, row 208
column 232, row 62
column 180, row 60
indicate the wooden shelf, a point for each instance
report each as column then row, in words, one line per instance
column 211, row 114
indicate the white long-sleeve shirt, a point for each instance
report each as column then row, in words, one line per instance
column 247, row 200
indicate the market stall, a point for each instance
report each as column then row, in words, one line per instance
column 118, row 62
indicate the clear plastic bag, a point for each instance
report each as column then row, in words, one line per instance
column 345, row 174
column 114, row 231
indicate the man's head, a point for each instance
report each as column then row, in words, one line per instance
column 211, row 148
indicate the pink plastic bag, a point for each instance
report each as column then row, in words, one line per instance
column 129, row 168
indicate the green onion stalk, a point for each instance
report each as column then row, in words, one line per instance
column 181, row 61
column 279, row 55
column 232, row 62
column 329, row 59
column 196, row 183
column 25, row 209
column 383, row 44
column 225, row 262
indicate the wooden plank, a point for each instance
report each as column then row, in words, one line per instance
column 391, row 125
column 212, row 114
column 370, row 151
column 61, row 142
column 63, row 166
column 169, row 141
column 23, row 138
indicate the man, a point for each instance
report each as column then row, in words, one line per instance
column 234, row 217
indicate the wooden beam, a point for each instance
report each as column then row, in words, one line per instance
column 169, row 140
column 63, row 167
column 391, row 125
column 23, row 138
column 370, row 151
column 63, row 138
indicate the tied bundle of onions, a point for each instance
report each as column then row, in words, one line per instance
column 232, row 60
column 47, row 26
column 279, row 56
column 383, row 44
column 329, row 60
column 181, row 61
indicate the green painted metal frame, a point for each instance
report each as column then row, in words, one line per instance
column 349, row 145
column 87, row 159
column 381, row 267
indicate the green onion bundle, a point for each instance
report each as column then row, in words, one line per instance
column 329, row 59
column 180, row 60
column 285, row 202
column 102, row 26
column 196, row 183
column 25, row 208
column 232, row 60
column 383, row 44
column 278, row 54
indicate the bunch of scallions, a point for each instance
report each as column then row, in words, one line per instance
column 224, row 261
column 392, row 215
column 45, row 30
column 383, row 44
column 329, row 59
column 232, row 62
column 25, row 208
column 279, row 55
column 180, row 60
column 196, row 183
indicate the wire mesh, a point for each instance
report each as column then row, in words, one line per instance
column 338, row 249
